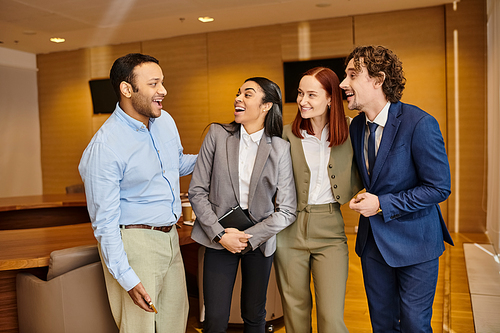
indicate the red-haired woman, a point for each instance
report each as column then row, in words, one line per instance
column 325, row 178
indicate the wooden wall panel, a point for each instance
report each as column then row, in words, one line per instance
column 103, row 57
column 65, row 122
column 468, row 199
column 184, row 64
column 327, row 38
column 233, row 57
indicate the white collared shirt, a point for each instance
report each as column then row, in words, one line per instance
column 249, row 144
column 380, row 120
column 317, row 153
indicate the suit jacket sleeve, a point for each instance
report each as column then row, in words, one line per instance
column 433, row 173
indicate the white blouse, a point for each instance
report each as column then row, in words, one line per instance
column 317, row 155
column 249, row 144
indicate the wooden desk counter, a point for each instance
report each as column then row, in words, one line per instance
column 39, row 211
column 29, row 248
column 42, row 201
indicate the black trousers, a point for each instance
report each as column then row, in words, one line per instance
column 219, row 274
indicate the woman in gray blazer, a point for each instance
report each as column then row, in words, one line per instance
column 245, row 163
column 325, row 178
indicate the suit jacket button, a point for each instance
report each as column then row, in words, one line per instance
column 335, row 186
column 330, row 166
column 332, row 176
column 337, row 197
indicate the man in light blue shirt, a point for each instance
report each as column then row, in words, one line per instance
column 131, row 171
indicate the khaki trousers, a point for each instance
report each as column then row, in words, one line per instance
column 315, row 244
column 156, row 258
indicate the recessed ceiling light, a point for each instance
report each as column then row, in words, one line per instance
column 57, row 40
column 205, row 19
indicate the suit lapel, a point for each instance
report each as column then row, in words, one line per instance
column 233, row 148
column 390, row 131
column 260, row 161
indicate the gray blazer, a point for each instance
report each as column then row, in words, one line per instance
column 214, row 188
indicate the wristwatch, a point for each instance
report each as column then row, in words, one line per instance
column 218, row 237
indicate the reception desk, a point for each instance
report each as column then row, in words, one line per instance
column 32, row 227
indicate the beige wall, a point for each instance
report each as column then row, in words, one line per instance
column 20, row 155
column 203, row 72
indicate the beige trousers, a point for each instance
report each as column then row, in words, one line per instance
column 156, row 258
column 315, row 244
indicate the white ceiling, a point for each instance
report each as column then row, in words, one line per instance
column 27, row 25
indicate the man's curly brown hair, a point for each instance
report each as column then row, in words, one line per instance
column 378, row 60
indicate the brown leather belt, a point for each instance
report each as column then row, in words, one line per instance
column 144, row 226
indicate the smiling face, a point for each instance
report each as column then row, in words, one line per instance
column 363, row 92
column 312, row 99
column 146, row 92
column 248, row 107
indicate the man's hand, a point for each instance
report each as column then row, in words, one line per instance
column 366, row 204
column 234, row 240
column 140, row 297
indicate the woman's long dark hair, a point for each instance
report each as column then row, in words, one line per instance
column 273, row 123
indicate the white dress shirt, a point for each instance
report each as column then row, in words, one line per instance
column 317, row 153
column 249, row 144
column 380, row 120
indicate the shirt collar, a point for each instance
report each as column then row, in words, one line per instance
column 135, row 124
column 381, row 118
column 324, row 133
column 255, row 137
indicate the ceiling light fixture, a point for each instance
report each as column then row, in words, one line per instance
column 205, row 19
column 57, row 40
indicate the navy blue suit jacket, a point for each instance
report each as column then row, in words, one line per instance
column 411, row 176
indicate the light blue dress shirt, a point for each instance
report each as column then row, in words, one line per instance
column 131, row 176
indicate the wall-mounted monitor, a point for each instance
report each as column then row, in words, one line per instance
column 294, row 70
column 103, row 96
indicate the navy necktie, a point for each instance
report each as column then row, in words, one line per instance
column 371, row 146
